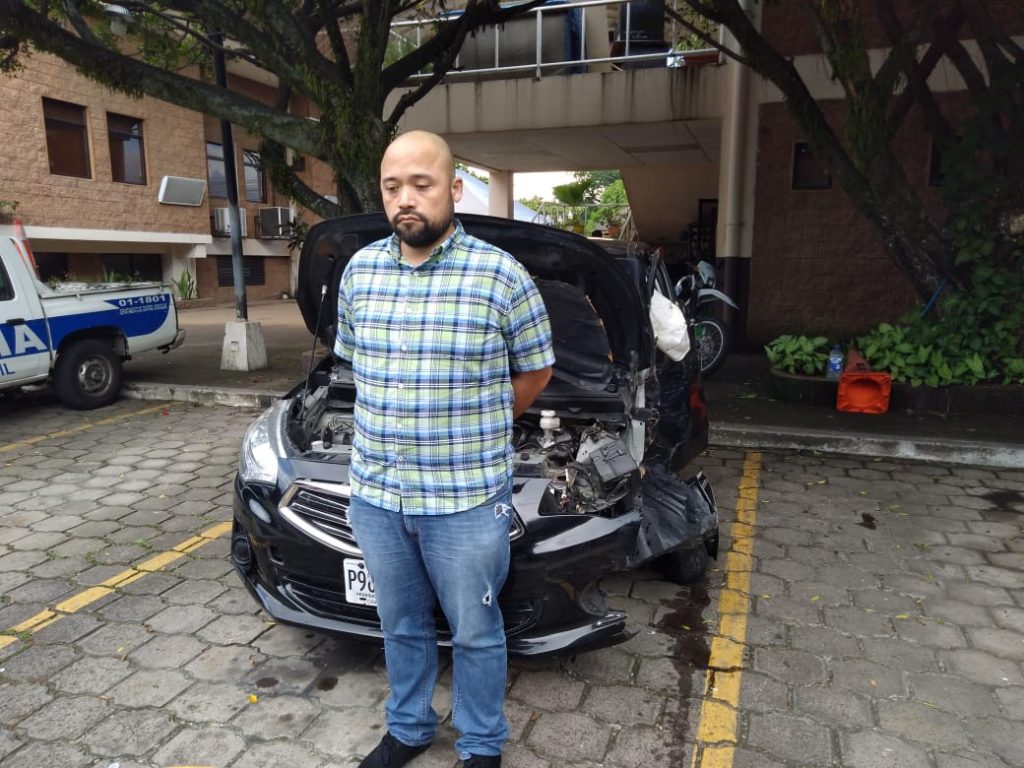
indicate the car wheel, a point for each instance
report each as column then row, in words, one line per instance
column 87, row 375
column 684, row 566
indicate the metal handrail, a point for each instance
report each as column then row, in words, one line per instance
column 539, row 65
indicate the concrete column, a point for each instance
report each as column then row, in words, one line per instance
column 500, row 200
column 180, row 258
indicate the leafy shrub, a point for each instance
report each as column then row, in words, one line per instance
column 186, row 285
column 806, row 355
column 976, row 335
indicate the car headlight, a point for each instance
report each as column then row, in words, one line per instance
column 261, row 448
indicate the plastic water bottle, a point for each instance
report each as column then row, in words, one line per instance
column 834, row 367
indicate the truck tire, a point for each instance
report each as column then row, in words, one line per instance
column 87, row 375
column 684, row 566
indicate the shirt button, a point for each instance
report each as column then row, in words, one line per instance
column 401, row 459
column 405, row 347
column 401, row 386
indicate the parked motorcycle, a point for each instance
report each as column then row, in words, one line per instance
column 697, row 294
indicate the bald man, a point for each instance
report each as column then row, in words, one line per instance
column 449, row 341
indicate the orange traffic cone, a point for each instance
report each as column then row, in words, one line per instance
column 862, row 390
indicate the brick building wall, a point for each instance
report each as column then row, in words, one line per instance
column 790, row 27
column 276, row 276
column 819, row 265
column 173, row 139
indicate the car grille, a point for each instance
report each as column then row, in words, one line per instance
column 320, row 510
column 326, row 512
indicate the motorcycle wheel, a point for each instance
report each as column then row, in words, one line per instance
column 712, row 343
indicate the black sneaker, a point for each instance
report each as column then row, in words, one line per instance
column 482, row 761
column 391, row 753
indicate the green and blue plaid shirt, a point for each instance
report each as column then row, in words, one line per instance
column 431, row 349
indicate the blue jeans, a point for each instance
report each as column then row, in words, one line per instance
column 462, row 560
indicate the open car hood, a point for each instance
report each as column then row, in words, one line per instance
column 583, row 288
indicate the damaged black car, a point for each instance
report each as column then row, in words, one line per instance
column 597, row 485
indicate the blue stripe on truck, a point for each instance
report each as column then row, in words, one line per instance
column 133, row 315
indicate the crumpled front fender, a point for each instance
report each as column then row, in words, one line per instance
column 676, row 514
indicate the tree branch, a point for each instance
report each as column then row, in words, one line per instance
column 441, row 67
column 337, row 42
column 900, row 105
column 81, row 26
column 286, row 181
column 887, row 75
column 917, row 81
column 132, row 76
column 705, row 37
column 434, row 50
column 281, row 38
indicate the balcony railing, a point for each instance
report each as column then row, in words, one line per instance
column 580, row 20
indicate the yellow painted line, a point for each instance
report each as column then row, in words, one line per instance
column 30, row 441
column 31, row 623
column 82, row 599
column 216, row 531
column 159, row 562
column 92, row 594
column 719, row 712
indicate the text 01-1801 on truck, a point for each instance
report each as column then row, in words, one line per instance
column 76, row 334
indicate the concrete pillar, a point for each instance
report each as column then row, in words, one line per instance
column 500, row 200
column 244, row 347
column 180, row 258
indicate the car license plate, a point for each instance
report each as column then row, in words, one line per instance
column 358, row 584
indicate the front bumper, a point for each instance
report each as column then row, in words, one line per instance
column 551, row 601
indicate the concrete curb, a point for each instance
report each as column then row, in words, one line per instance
column 917, row 448
column 188, row 393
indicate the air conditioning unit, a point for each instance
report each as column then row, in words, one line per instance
column 275, row 223
column 222, row 222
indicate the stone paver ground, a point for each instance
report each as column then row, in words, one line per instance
column 886, row 626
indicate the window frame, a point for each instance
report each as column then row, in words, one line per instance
column 257, row 165
column 211, row 189
column 801, row 151
column 254, row 271
column 53, row 121
column 123, row 136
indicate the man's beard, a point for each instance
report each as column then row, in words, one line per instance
column 423, row 232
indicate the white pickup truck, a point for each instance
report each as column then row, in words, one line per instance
column 76, row 334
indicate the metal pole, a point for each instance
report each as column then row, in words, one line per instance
column 540, row 38
column 629, row 31
column 231, row 182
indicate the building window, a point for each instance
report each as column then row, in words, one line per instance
column 52, row 266
column 127, row 151
column 67, row 139
column 808, row 173
column 255, row 186
column 133, row 266
column 215, row 170
column 252, row 266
